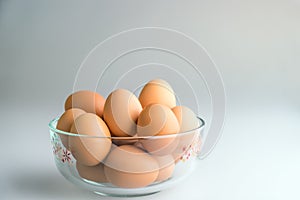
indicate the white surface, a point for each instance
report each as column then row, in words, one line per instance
column 255, row 44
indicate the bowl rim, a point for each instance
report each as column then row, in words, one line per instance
column 54, row 129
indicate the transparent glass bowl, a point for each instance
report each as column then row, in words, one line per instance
column 184, row 148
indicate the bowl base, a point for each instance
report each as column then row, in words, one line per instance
column 125, row 195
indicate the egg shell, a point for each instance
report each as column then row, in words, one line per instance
column 121, row 111
column 160, row 146
column 130, row 167
column 86, row 100
column 94, row 173
column 157, row 91
column 65, row 123
column 166, row 167
column 188, row 121
column 89, row 151
column 157, row 120
column 186, row 118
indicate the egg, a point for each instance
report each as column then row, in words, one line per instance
column 66, row 121
column 89, row 151
column 88, row 101
column 187, row 121
column 130, row 167
column 121, row 111
column 166, row 167
column 158, row 120
column 94, row 173
column 157, row 91
column 186, row 118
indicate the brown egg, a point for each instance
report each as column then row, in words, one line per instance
column 66, row 121
column 157, row 92
column 89, row 151
column 160, row 146
column 158, row 120
column 130, row 167
column 186, row 118
column 166, row 167
column 88, row 101
column 94, row 173
column 121, row 111
column 187, row 121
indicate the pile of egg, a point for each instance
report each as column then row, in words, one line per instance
column 119, row 147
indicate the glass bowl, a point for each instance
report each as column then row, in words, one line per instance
column 184, row 148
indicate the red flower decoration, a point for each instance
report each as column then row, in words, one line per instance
column 66, row 156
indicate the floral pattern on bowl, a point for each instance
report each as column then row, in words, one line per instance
column 60, row 152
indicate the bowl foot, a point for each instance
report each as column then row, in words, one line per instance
column 125, row 195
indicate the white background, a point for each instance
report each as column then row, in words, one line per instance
column 256, row 45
